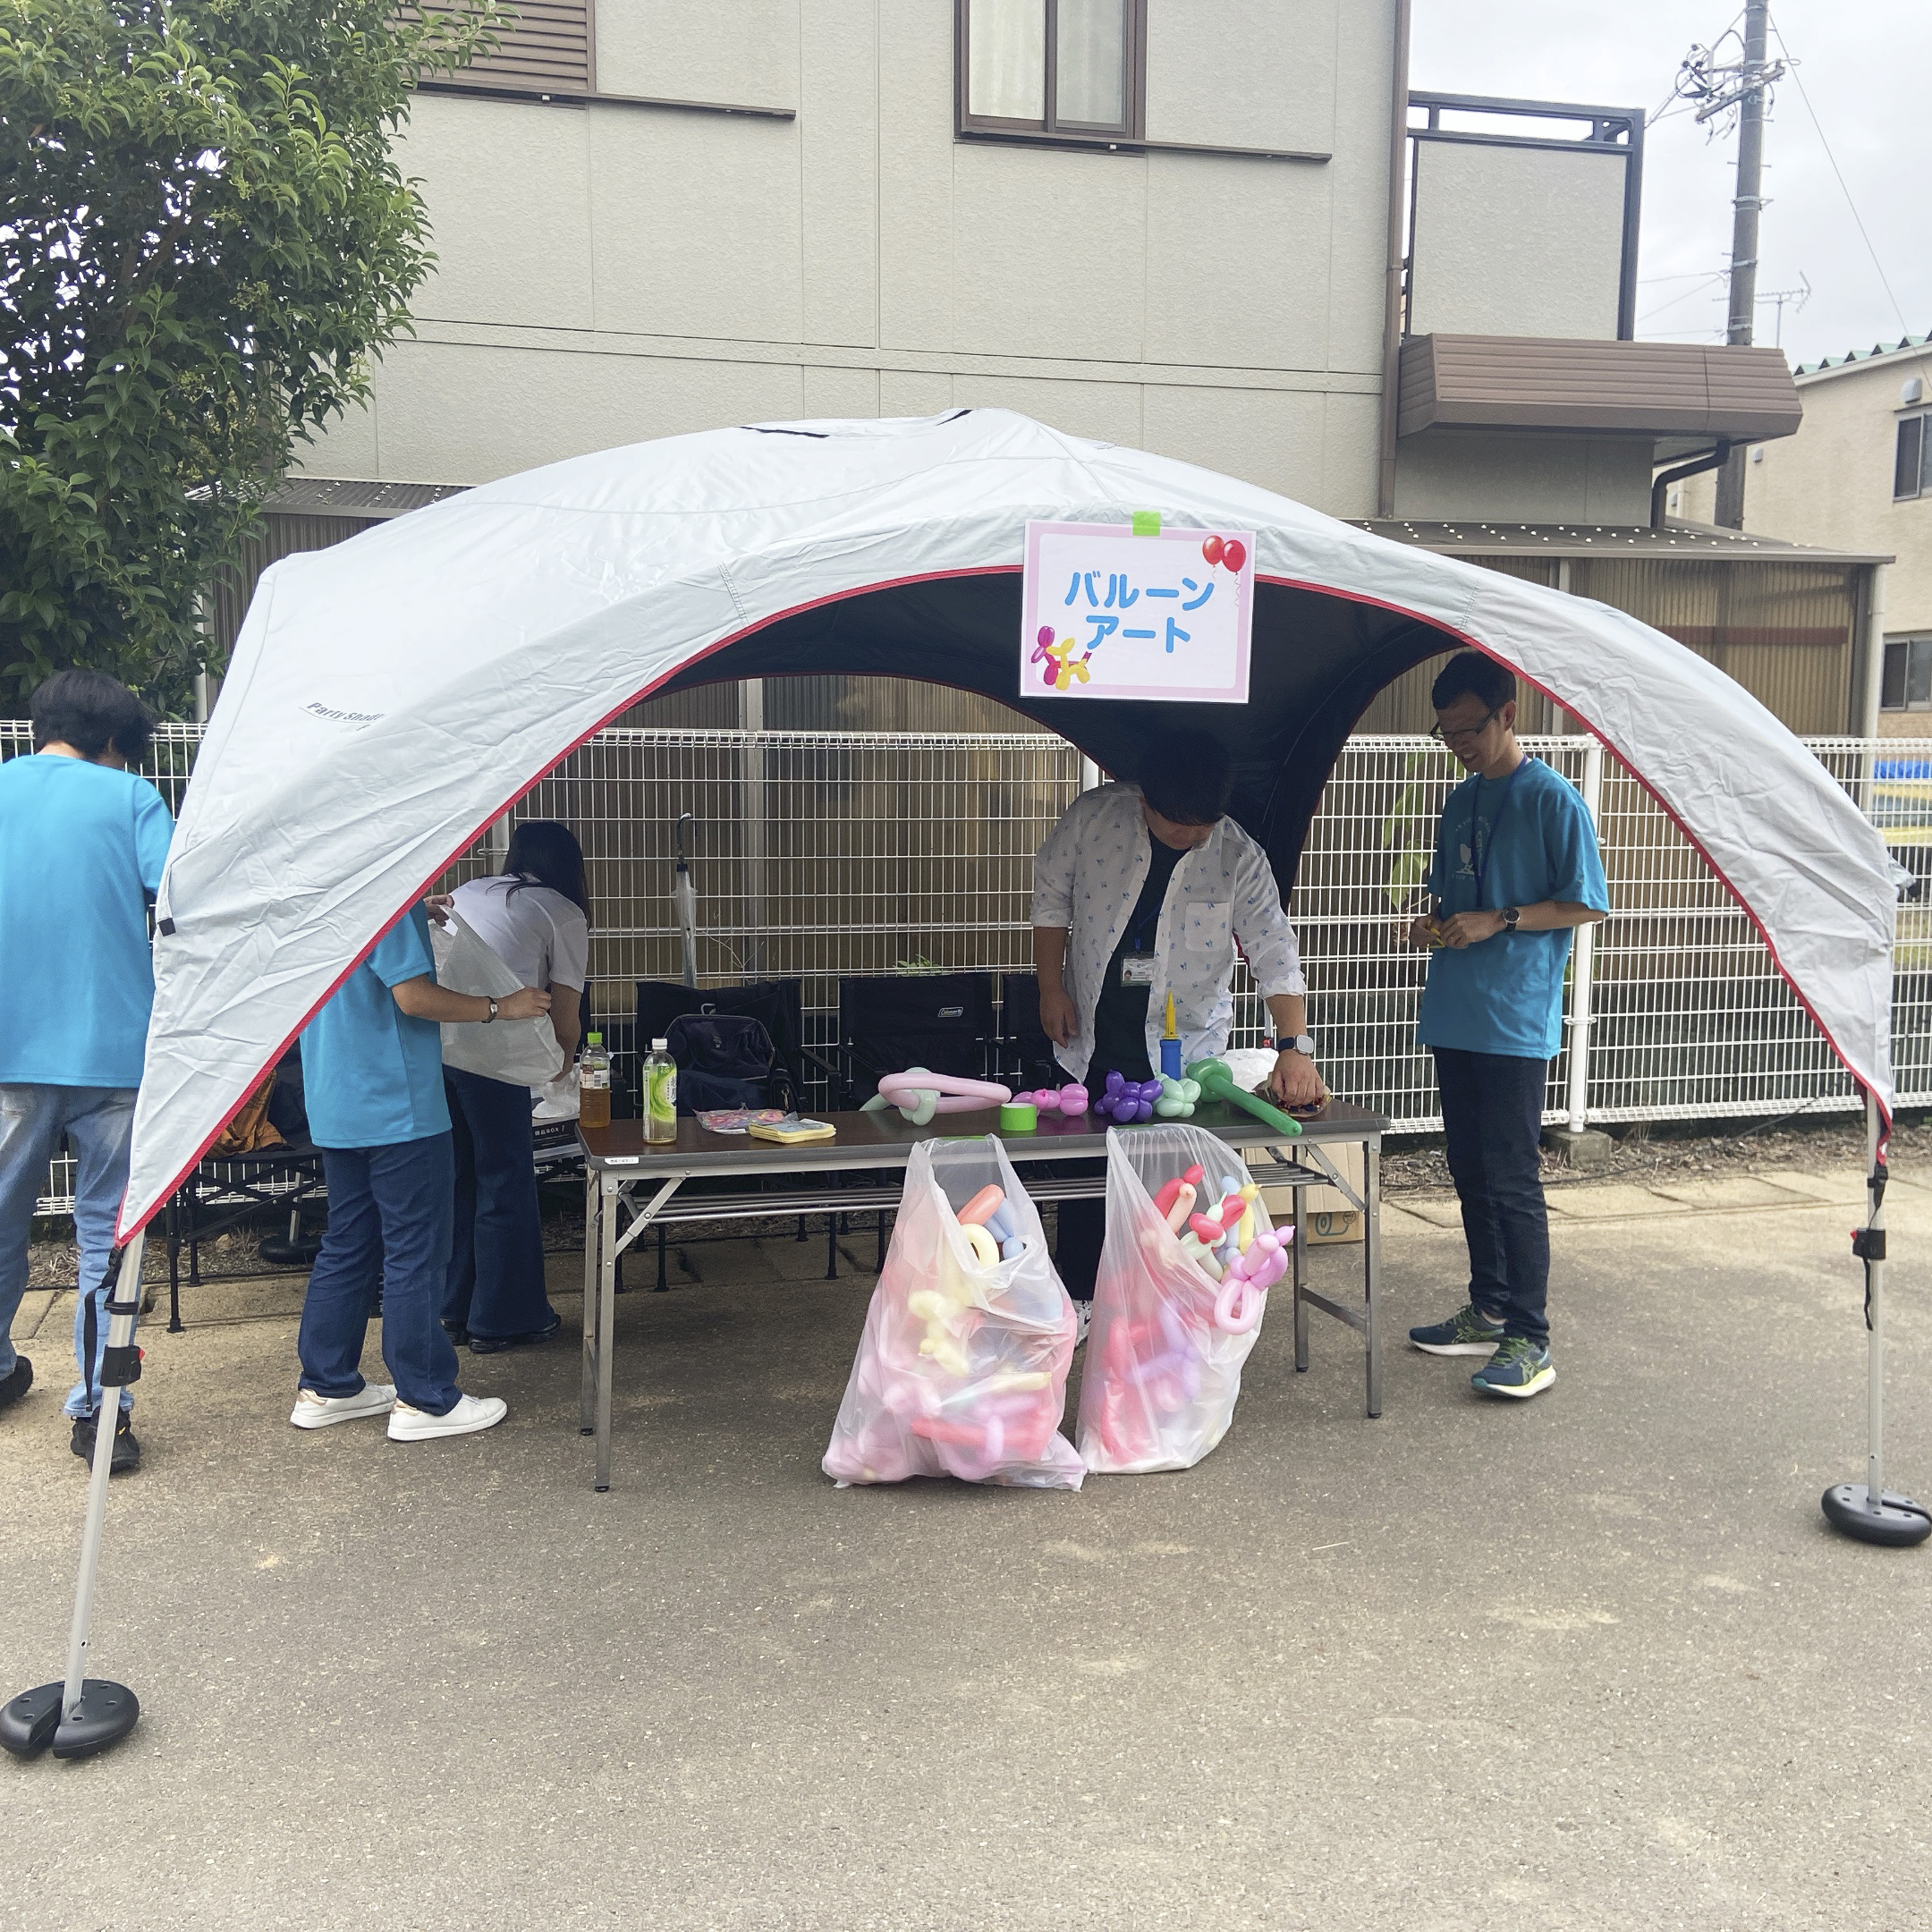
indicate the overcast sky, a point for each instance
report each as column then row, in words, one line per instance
column 1865, row 66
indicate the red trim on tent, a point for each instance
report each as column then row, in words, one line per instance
column 1603, row 738
column 123, row 1233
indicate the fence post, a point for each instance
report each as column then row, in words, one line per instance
column 1582, row 960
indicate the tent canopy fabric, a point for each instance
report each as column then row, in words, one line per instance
column 390, row 697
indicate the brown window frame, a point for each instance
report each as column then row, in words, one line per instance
column 1052, row 129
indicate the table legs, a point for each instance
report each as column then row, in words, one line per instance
column 606, row 1287
column 1298, row 1257
column 1372, row 1268
column 593, row 1236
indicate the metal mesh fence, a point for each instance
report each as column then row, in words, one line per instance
column 818, row 854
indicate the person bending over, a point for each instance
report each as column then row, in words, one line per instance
column 1144, row 889
column 1516, row 870
column 372, row 1078
column 532, row 916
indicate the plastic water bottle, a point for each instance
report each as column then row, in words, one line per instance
column 593, row 1083
column 660, row 1093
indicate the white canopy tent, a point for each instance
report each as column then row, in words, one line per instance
column 391, row 697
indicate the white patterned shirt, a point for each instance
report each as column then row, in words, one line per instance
column 1089, row 873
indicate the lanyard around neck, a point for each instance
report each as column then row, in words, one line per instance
column 1480, row 855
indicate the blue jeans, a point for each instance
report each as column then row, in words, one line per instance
column 97, row 1121
column 1492, row 1106
column 388, row 1224
column 496, row 1285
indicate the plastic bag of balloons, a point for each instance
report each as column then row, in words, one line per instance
column 962, row 1369
column 1184, row 1278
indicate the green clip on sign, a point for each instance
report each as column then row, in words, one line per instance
column 1146, row 522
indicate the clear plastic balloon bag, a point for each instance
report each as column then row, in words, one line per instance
column 1172, row 1323
column 962, row 1366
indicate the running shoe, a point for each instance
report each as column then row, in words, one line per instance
column 1465, row 1333
column 1520, row 1368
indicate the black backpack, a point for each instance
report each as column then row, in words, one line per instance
column 727, row 1060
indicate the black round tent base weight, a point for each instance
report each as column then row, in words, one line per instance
column 32, row 1722
column 1897, row 1522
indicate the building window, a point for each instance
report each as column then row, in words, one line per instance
column 549, row 48
column 1070, row 70
column 1911, row 462
column 1908, row 675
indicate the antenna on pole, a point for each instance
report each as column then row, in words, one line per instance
column 1734, row 93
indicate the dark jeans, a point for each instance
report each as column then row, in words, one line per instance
column 1492, row 1108
column 1082, row 1224
column 496, row 1285
column 389, row 1221
column 1083, row 1232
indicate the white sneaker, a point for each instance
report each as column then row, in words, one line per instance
column 471, row 1413
column 318, row 1411
column 1083, row 1317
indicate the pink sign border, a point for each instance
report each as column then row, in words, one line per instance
column 1235, row 693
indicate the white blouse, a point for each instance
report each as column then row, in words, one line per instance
column 1089, row 873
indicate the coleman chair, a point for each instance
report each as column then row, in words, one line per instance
column 942, row 1021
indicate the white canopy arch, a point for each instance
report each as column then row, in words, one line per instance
column 390, row 697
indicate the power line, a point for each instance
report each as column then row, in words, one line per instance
column 1791, row 66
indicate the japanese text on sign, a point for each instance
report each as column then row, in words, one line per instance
column 1106, row 614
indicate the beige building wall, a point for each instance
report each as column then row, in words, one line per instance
column 1831, row 484
column 612, row 272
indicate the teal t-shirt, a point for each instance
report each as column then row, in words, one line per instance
column 81, row 849
column 371, row 1075
column 1504, row 841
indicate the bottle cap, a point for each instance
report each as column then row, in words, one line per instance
column 659, row 1046
column 593, row 1039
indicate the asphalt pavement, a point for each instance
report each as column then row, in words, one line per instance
column 1591, row 1661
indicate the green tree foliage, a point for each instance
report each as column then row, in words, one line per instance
column 202, row 240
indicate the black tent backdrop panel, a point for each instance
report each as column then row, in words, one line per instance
column 1317, row 662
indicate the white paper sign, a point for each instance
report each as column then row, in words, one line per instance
column 1108, row 613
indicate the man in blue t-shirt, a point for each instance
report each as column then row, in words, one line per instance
column 1516, row 871
column 372, row 1083
column 82, row 843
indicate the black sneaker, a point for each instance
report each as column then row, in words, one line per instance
column 16, row 1384
column 126, row 1457
column 495, row 1344
column 1465, row 1333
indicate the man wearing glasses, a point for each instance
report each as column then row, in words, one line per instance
column 1516, row 870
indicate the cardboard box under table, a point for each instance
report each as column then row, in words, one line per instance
column 631, row 1186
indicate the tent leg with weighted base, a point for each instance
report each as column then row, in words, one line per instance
column 84, row 1714
column 1869, row 1511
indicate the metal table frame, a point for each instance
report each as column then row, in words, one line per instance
column 630, row 1187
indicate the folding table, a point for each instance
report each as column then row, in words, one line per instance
column 631, row 1185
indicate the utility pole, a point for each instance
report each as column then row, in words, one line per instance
column 1721, row 89
column 1747, row 206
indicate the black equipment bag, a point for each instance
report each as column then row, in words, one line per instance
column 777, row 1005
column 727, row 1060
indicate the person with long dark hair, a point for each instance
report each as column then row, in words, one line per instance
column 534, row 915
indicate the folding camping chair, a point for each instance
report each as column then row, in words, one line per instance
column 1025, row 1054
column 942, row 1021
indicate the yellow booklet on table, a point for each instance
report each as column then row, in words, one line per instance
column 793, row 1133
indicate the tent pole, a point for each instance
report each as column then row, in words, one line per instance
column 84, row 1714
column 1867, row 1510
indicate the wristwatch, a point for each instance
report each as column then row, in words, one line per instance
column 1302, row 1042
column 1510, row 914
column 492, row 1010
